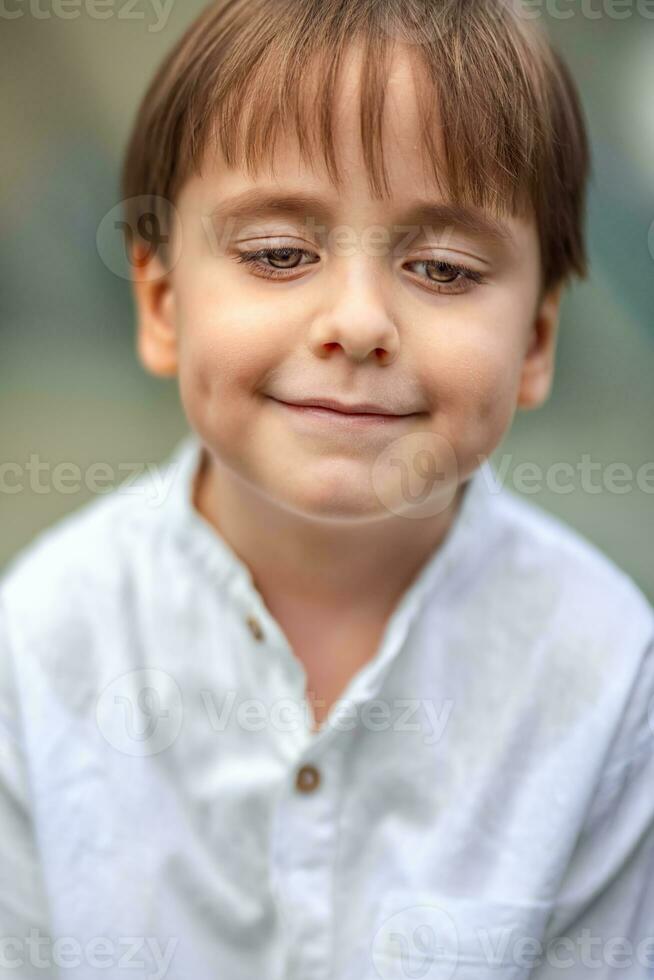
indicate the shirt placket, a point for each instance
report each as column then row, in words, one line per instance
column 306, row 824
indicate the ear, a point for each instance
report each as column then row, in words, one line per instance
column 539, row 361
column 155, row 308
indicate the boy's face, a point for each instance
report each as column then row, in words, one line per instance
column 364, row 313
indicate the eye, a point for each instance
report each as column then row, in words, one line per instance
column 282, row 260
column 276, row 263
column 449, row 277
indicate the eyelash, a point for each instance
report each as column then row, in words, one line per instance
column 254, row 259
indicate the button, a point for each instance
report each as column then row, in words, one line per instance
column 308, row 779
column 255, row 627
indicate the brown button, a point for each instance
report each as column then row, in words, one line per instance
column 308, row 779
column 255, row 627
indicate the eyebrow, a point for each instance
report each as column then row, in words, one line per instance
column 257, row 204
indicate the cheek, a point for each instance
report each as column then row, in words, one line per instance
column 226, row 351
column 224, row 343
column 474, row 372
column 491, row 384
column 474, row 380
column 206, row 353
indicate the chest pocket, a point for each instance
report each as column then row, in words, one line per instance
column 427, row 935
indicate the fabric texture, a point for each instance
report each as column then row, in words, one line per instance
column 479, row 803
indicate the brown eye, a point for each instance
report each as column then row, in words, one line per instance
column 443, row 273
column 448, row 279
column 270, row 262
column 284, row 258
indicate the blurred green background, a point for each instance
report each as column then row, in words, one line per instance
column 71, row 388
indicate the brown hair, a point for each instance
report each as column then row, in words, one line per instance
column 513, row 127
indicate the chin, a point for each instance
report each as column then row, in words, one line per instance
column 342, row 504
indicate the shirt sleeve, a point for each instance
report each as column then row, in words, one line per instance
column 25, row 940
column 603, row 925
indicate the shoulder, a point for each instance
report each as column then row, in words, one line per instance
column 584, row 622
column 70, row 571
column 590, row 593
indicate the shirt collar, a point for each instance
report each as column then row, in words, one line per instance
column 457, row 558
column 193, row 533
column 203, row 543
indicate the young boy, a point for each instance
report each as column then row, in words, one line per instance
column 341, row 707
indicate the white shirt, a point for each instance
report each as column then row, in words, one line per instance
column 485, row 785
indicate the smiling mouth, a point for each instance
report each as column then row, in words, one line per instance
column 342, row 417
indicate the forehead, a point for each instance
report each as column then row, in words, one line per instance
column 288, row 183
column 402, row 145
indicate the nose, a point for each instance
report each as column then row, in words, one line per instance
column 356, row 321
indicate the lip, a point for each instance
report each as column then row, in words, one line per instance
column 364, row 409
column 332, row 419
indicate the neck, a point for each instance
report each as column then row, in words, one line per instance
column 335, row 567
